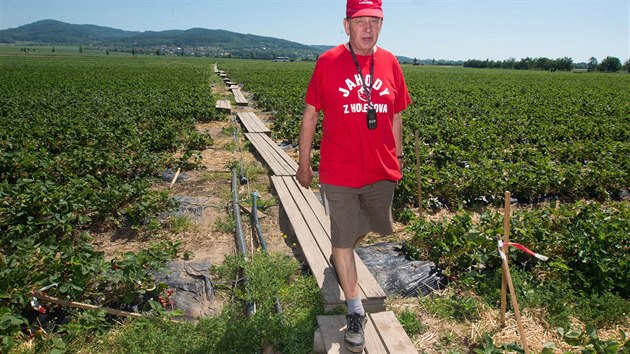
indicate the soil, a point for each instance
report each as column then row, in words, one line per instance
column 208, row 236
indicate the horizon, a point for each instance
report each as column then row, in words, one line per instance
column 456, row 30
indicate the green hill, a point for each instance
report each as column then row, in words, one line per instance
column 195, row 41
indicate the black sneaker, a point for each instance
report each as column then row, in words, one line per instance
column 354, row 340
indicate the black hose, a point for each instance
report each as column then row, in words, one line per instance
column 261, row 238
column 240, row 240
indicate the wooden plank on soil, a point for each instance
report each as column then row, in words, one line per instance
column 239, row 98
column 224, row 105
column 319, row 265
column 265, row 147
column 313, row 211
column 252, row 123
column 329, row 337
column 391, row 332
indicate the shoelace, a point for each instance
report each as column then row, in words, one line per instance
column 354, row 323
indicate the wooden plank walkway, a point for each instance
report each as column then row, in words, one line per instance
column 252, row 123
column 223, row 105
column 279, row 162
column 312, row 228
column 239, row 98
column 383, row 334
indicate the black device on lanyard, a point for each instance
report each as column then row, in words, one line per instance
column 371, row 113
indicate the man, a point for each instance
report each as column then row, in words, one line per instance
column 361, row 91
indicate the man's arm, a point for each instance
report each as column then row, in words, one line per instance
column 307, row 132
column 397, row 128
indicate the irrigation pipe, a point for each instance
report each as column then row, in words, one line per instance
column 240, row 240
column 261, row 238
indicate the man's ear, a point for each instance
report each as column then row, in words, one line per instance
column 346, row 25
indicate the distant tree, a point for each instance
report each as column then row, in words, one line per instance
column 81, row 49
column 107, row 51
column 157, row 52
column 626, row 66
column 133, row 51
column 53, row 49
column 415, row 61
column 610, row 65
column 592, row 63
column 524, row 64
column 565, row 64
column 508, row 64
column 542, row 63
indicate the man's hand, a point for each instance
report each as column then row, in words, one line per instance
column 305, row 176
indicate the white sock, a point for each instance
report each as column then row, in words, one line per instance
column 355, row 305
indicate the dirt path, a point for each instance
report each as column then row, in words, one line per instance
column 209, row 233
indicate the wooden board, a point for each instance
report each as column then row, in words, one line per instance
column 280, row 163
column 317, row 245
column 252, row 123
column 382, row 335
column 368, row 283
column 392, row 333
column 239, row 98
column 371, row 292
column 319, row 265
column 223, row 105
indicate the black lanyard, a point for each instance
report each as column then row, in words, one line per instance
column 366, row 89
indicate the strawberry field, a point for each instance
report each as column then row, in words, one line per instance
column 81, row 145
column 546, row 137
column 83, row 140
column 540, row 135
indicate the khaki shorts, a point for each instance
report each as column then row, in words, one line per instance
column 356, row 211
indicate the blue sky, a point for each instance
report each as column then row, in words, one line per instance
column 440, row 29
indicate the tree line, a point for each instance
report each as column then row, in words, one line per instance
column 609, row 64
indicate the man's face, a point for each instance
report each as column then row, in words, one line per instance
column 363, row 32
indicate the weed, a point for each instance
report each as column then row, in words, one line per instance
column 182, row 223
column 591, row 342
column 225, row 225
column 488, row 347
column 451, row 306
column 411, row 323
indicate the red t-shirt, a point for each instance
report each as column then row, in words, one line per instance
column 351, row 154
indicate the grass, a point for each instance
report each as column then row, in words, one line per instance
column 182, row 223
column 268, row 275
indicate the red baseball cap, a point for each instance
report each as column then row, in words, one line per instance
column 359, row 8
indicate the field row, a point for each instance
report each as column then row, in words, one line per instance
column 82, row 143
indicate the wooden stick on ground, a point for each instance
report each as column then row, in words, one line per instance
column 506, row 238
column 175, row 178
column 81, row 305
column 517, row 313
column 507, row 277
